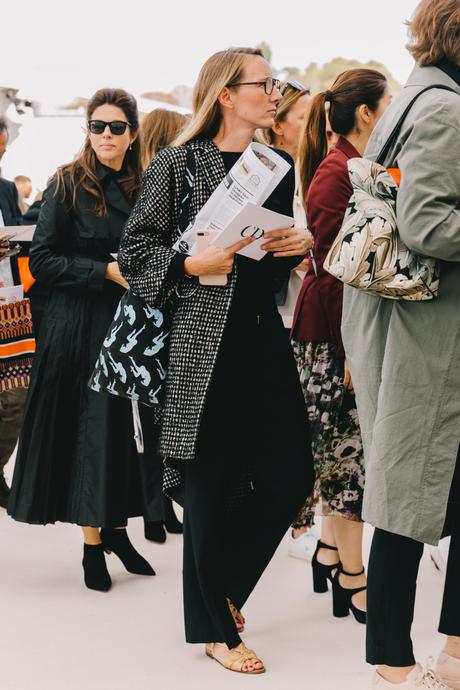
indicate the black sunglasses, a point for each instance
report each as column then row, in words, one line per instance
column 117, row 127
column 297, row 86
column 269, row 84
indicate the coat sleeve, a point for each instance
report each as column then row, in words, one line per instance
column 428, row 202
column 50, row 261
column 146, row 258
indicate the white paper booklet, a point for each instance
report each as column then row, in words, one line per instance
column 255, row 175
column 252, row 221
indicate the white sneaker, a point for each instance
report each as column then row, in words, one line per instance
column 418, row 679
column 303, row 546
column 448, row 668
column 439, row 554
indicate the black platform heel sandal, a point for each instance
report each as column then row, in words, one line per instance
column 322, row 572
column 342, row 598
column 117, row 541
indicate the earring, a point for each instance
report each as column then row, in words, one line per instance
column 130, row 147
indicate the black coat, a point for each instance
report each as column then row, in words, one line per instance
column 76, row 460
column 9, row 203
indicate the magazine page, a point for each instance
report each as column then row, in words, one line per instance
column 253, row 178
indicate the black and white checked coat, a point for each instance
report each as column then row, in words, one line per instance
column 200, row 312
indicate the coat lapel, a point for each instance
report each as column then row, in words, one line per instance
column 209, row 161
column 116, row 199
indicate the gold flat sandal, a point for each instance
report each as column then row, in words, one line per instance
column 236, row 660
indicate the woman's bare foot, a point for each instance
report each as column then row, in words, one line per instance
column 240, row 659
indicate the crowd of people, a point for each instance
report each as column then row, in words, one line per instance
column 287, row 396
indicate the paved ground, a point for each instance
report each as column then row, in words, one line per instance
column 57, row 635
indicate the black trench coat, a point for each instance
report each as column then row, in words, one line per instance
column 76, row 460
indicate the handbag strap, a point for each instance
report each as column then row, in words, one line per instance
column 187, row 189
column 392, row 138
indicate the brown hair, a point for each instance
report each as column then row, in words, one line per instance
column 434, row 32
column 288, row 101
column 82, row 171
column 352, row 88
column 159, row 129
column 220, row 70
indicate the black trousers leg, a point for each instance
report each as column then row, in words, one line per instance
column 207, row 616
column 450, row 613
column 392, row 582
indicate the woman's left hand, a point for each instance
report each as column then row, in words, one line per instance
column 290, row 242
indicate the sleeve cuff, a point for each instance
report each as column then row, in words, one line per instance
column 176, row 269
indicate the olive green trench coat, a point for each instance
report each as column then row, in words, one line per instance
column 405, row 356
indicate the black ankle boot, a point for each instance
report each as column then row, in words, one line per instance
column 96, row 574
column 4, row 492
column 116, row 541
column 321, row 572
column 172, row 524
column 154, row 531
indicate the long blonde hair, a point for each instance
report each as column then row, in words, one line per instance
column 159, row 128
column 220, row 70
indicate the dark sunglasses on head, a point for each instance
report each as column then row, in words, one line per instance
column 269, row 84
column 297, row 86
column 117, row 127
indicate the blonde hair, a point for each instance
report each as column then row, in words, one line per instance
column 220, row 70
column 288, row 101
column 159, row 128
column 434, row 32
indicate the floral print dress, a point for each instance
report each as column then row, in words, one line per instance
column 336, row 438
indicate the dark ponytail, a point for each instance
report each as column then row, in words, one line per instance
column 351, row 89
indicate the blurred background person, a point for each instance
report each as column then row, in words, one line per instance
column 24, row 187
column 357, row 100
column 77, row 461
column 11, row 401
column 405, row 363
column 159, row 128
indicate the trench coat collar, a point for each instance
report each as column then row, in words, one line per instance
column 426, row 76
column 112, row 192
column 212, row 162
column 346, row 148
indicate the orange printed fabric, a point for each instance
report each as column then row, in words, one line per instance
column 25, row 276
column 18, row 348
column 395, row 174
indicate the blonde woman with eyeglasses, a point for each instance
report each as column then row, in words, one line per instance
column 234, row 430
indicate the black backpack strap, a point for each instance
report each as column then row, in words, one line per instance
column 187, row 189
column 392, row 138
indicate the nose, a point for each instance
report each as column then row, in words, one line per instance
column 107, row 133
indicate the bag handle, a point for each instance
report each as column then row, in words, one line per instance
column 187, row 189
column 392, row 138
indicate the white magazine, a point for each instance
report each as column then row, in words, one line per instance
column 255, row 175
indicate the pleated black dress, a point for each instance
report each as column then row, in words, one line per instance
column 77, row 460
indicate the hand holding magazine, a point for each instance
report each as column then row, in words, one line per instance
column 252, row 179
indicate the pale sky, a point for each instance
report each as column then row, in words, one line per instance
column 53, row 50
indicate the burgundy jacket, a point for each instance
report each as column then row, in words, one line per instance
column 318, row 311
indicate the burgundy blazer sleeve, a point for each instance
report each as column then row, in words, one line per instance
column 319, row 307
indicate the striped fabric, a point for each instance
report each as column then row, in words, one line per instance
column 17, row 345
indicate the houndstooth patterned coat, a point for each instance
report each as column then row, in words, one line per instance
column 200, row 312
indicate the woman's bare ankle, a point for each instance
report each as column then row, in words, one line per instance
column 395, row 674
column 452, row 647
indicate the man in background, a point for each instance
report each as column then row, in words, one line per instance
column 24, row 187
column 11, row 402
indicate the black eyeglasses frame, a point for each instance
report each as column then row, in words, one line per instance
column 269, row 84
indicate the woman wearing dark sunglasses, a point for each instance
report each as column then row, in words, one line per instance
column 77, row 460
column 234, row 429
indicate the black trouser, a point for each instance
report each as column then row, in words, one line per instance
column 254, row 419
column 392, row 582
column 11, row 410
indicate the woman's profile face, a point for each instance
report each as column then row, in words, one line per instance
column 251, row 104
column 110, row 148
column 290, row 129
